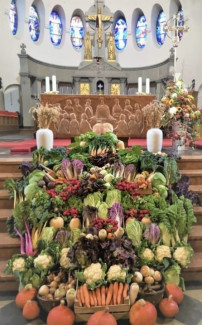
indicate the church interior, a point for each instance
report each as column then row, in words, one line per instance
column 132, row 69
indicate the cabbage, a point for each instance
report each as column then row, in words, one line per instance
column 152, row 233
column 163, row 191
column 134, row 232
column 93, row 200
column 172, row 274
column 77, row 167
column 66, row 168
column 113, row 196
column 158, row 179
column 103, row 210
column 116, row 213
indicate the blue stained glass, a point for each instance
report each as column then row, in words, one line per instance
column 77, row 32
column 141, row 32
column 160, row 24
column 180, row 22
column 120, row 34
column 33, row 23
column 55, row 28
column 13, row 17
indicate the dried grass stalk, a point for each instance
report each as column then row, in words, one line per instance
column 45, row 115
column 153, row 113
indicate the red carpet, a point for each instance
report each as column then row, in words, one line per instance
column 143, row 142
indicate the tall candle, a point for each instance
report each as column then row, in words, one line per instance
column 147, row 86
column 140, row 85
column 53, row 83
column 47, row 84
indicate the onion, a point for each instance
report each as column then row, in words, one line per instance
column 43, row 290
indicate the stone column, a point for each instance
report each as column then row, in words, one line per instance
column 76, row 89
column 123, row 86
column 159, row 89
column 26, row 100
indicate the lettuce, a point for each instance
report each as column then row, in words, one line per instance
column 113, row 196
column 103, row 210
column 134, row 232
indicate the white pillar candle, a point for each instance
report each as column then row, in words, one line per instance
column 53, row 83
column 147, row 86
column 140, row 85
column 47, row 84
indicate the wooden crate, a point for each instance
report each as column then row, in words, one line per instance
column 118, row 311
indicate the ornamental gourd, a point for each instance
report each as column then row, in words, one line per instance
column 143, row 312
column 27, row 293
column 168, row 307
column 61, row 315
column 31, row 310
column 102, row 317
column 175, row 291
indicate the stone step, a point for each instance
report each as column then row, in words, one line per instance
column 194, row 271
column 5, row 201
column 7, row 282
column 4, row 176
column 196, row 189
column 195, row 238
column 190, row 162
column 4, row 214
column 11, row 164
column 8, row 246
column 194, row 175
column 198, row 214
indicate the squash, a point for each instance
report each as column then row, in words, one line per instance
column 27, row 293
column 31, row 310
column 175, row 291
column 102, row 317
column 61, row 315
column 168, row 307
column 57, row 222
column 75, row 223
column 142, row 313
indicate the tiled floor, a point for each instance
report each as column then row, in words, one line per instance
column 190, row 311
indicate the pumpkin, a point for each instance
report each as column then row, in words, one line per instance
column 143, row 312
column 102, row 317
column 175, row 291
column 61, row 315
column 31, row 310
column 57, row 222
column 168, row 307
column 27, row 293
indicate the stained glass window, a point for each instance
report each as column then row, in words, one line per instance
column 160, row 24
column 77, row 32
column 55, row 28
column 33, row 23
column 120, row 34
column 13, row 17
column 141, row 31
column 180, row 22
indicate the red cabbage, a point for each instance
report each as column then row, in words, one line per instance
column 152, row 233
column 116, row 213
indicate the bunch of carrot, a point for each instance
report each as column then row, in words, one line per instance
column 114, row 294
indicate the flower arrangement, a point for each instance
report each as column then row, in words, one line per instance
column 45, row 114
column 181, row 115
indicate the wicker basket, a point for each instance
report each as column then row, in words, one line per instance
column 153, row 297
column 47, row 305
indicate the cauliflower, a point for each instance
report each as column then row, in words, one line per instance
column 43, row 261
column 162, row 251
column 115, row 273
column 18, row 264
column 183, row 255
column 147, row 254
column 94, row 273
column 64, row 260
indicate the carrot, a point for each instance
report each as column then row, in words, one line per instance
column 91, row 298
column 103, row 295
column 120, row 291
column 86, row 295
column 98, row 295
column 115, row 292
column 125, row 291
column 109, row 294
column 82, row 295
column 94, row 297
column 106, row 291
column 79, row 297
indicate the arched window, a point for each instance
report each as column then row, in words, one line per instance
column 141, row 32
column 160, row 24
column 77, row 32
column 55, row 28
column 13, row 17
column 180, row 21
column 34, row 28
column 120, row 34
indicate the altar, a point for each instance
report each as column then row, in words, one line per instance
column 79, row 113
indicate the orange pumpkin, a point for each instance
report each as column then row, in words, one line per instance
column 168, row 307
column 61, row 315
column 175, row 291
column 102, row 317
column 31, row 310
column 27, row 293
column 143, row 312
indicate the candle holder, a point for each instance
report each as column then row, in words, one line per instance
column 52, row 92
